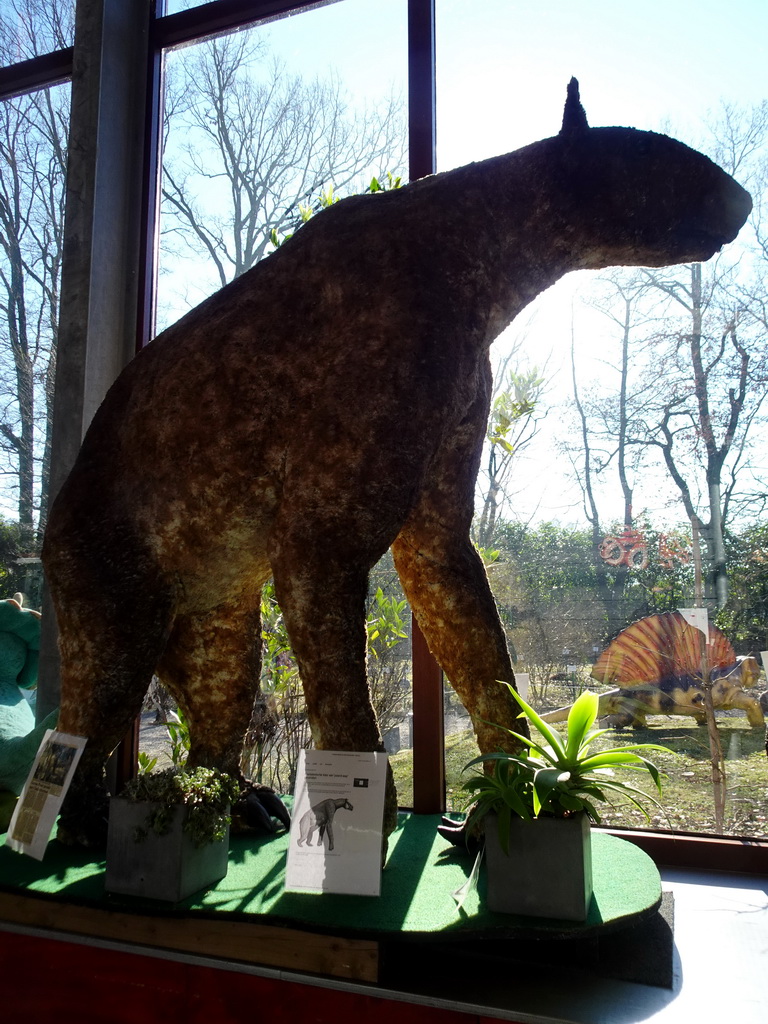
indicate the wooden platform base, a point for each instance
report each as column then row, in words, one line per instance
column 248, row 917
column 243, row 941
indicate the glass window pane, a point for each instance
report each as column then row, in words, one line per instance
column 174, row 6
column 625, row 476
column 304, row 118
column 29, row 28
column 33, row 140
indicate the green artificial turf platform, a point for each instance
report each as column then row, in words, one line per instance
column 421, row 873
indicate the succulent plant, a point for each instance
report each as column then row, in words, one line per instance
column 559, row 776
column 206, row 793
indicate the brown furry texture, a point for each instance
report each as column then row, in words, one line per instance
column 328, row 404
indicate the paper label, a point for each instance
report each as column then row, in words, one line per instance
column 41, row 798
column 336, row 827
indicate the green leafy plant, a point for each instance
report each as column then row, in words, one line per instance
column 206, row 793
column 559, row 777
column 328, row 197
column 178, row 734
column 146, row 763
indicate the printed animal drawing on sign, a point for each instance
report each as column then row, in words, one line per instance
column 320, row 819
column 381, row 310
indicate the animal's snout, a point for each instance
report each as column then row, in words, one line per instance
column 715, row 218
column 737, row 207
column 726, row 209
column 723, row 210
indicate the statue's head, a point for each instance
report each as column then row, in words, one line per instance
column 639, row 198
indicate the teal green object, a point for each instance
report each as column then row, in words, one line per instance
column 19, row 653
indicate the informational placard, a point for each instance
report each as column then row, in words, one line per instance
column 40, row 801
column 336, row 827
column 523, row 683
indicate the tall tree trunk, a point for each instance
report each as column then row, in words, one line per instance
column 21, row 440
column 25, row 448
column 609, row 591
column 712, row 533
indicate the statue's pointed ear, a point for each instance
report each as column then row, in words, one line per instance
column 574, row 116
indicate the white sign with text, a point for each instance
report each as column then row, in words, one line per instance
column 336, row 827
column 41, row 798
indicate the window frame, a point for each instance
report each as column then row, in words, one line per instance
column 194, row 24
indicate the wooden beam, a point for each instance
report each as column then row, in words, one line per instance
column 422, row 137
column 698, row 851
column 428, row 728
column 102, row 241
column 196, row 23
column 267, row 945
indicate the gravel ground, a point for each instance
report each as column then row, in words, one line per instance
column 154, row 739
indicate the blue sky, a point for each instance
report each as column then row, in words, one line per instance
column 503, row 64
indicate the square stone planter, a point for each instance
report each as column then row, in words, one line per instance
column 168, row 867
column 548, row 871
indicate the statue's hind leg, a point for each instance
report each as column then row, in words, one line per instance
column 211, row 665
column 108, row 653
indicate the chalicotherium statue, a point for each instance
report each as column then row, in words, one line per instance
column 328, row 404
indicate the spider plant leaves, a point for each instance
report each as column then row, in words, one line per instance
column 557, row 775
column 545, row 782
column 570, row 802
column 581, row 718
column 550, row 735
column 623, row 757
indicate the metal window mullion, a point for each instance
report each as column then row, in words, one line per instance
column 102, row 240
column 428, row 720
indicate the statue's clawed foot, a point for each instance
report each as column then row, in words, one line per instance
column 260, row 809
column 458, row 835
column 85, row 822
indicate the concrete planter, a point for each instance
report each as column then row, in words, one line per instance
column 168, row 867
column 548, row 872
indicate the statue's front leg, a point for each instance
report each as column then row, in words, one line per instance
column 321, row 581
column 445, row 582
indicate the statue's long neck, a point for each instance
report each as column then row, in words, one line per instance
column 497, row 231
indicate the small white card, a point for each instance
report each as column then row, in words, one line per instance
column 523, row 683
column 697, row 617
column 336, row 826
column 41, row 798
